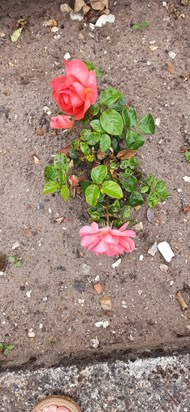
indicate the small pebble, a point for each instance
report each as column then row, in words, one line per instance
column 104, row 18
column 164, row 268
column 131, row 338
column 186, row 179
column 102, row 323
column 141, row 257
column 76, row 16
column 28, row 293
column 116, row 264
column 157, row 121
column 172, row 55
column 15, row 245
column 45, row 299
column 153, row 249
column 150, row 214
column 1, row 273
column 138, row 226
column 95, row 343
column 31, row 333
column 67, row 56
column 171, row 283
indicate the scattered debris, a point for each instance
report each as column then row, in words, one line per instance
column 52, row 23
column 47, row 110
column 170, row 68
column 39, row 131
column 116, row 264
column 150, row 214
column 164, row 268
column 157, row 122
column 172, row 55
column 153, row 249
column 67, row 56
column 186, row 179
column 186, row 208
column 98, row 288
column 58, row 219
column 95, row 343
column 102, row 323
column 181, row 301
column 104, row 18
column 16, row 34
column 16, row 245
column 138, row 227
column 36, row 160
column 106, row 303
column 31, row 333
column 76, row 16
column 65, row 8
column 166, row 251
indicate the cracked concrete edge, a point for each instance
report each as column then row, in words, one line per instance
column 154, row 384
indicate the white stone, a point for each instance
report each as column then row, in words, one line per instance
column 157, row 121
column 67, row 56
column 116, row 264
column 104, row 18
column 163, row 268
column 1, row 273
column 95, row 343
column 31, row 333
column 16, row 245
column 166, row 251
column 28, row 293
column 172, row 55
column 76, row 16
column 186, row 179
column 102, row 323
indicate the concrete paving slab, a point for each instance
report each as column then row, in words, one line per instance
column 154, row 384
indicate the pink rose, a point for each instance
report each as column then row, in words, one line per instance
column 107, row 241
column 54, row 408
column 75, row 92
column 61, row 122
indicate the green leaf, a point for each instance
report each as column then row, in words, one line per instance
column 17, row 263
column 73, row 154
column 96, row 213
column 152, row 199
column 90, row 158
column 112, row 189
column 61, row 162
column 114, row 143
column 112, row 122
column 163, row 195
column 147, row 125
column 99, row 73
column 8, row 349
column 16, row 34
column 93, row 138
column 94, row 109
column 187, row 156
column 50, row 173
column 140, row 26
column 132, row 163
column 134, row 140
column 83, row 185
column 119, row 104
column 136, row 199
column 160, row 186
column 129, row 117
column 129, row 183
column 65, row 192
column 96, row 126
column 109, row 96
column 114, row 207
column 85, row 148
column 125, row 212
column 83, row 135
column 1, row 346
column 89, row 65
column 92, row 194
column 144, row 189
column 11, row 259
column 105, row 142
column 50, row 187
column 99, row 173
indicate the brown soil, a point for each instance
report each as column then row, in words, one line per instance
column 63, row 306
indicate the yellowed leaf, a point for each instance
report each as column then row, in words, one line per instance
column 16, row 34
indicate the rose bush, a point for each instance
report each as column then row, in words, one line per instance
column 77, row 91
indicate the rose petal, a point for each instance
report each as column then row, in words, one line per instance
column 78, row 70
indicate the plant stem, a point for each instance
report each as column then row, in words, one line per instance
column 107, row 213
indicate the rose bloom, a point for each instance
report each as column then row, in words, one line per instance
column 75, row 92
column 61, row 122
column 107, row 241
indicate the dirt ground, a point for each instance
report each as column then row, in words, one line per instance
column 52, row 291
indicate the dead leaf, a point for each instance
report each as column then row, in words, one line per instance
column 100, row 155
column 78, row 5
column 170, row 68
column 113, row 174
column 52, row 23
column 99, row 4
column 126, row 154
column 98, row 288
column 65, row 150
column 16, row 34
column 58, row 219
column 22, row 22
column 39, row 131
column 181, row 301
column 86, row 9
column 106, row 303
column 186, row 208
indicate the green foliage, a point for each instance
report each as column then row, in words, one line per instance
column 104, row 158
column 140, row 26
column 15, row 260
column 6, row 348
column 187, row 156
